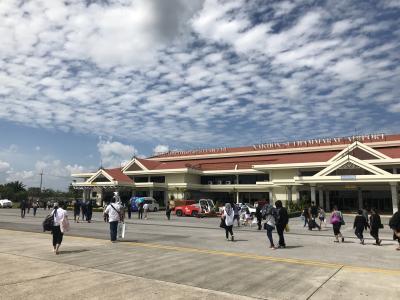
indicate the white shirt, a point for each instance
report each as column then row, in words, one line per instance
column 146, row 206
column 113, row 214
column 229, row 218
column 59, row 216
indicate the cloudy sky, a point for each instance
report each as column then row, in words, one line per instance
column 90, row 81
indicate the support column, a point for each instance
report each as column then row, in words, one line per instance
column 166, row 198
column 327, row 202
column 360, row 199
column 271, row 201
column 395, row 199
column 313, row 194
column 289, row 193
column 151, row 193
column 321, row 197
column 237, row 196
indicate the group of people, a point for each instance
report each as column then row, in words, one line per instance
column 364, row 220
column 312, row 216
column 276, row 217
column 142, row 209
column 25, row 207
column 273, row 217
column 83, row 208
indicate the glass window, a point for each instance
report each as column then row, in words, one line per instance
column 159, row 179
column 140, row 179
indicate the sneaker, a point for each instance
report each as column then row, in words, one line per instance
column 336, row 241
column 281, row 247
column 379, row 242
column 227, row 239
column 233, row 238
column 342, row 239
column 362, row 242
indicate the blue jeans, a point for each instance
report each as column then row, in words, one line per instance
column 269, row 234
column 113, row 230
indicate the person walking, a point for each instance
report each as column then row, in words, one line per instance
column 77, row 210
column 59, row 214
column 281, row 221
column 146, row 210
column 89, row 211
column 35, row 206
column 113, row 211
column 336, row 221
column 168, row 212
column 83, row 210
column 259, row 217
column 140, row 210
column 321, row 217
column 129, row 208
column 375, row 224
column 228, row 216
column 269, row 215
column 313, row 213
column 306, row 216
column 360, row 223
column 394, row 224
column 236, row 214
column 28, row 206
column 23, row 208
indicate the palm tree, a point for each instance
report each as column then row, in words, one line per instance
column 16, row 186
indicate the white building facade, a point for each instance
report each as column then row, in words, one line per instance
column 350, row 172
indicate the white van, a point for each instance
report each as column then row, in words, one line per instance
column 153, row 204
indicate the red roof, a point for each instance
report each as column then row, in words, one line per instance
column 117, row 175
column 149, row 164
column 246, row 162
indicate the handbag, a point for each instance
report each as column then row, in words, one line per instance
column 287, row 228
column 119, row 230
column 222, row 224
column 123, row 230
column 64, row 226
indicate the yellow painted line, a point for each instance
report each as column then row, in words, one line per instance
column 295, row 261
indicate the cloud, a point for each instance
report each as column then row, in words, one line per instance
column 22, row 176
column 114, row 153
column 199, row 73
column 160, row 149
column 4, row 166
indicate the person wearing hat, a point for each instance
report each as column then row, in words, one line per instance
column 59, row 214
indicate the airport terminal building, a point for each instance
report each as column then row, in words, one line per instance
column 350, row 172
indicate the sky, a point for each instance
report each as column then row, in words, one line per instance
column 90, row 83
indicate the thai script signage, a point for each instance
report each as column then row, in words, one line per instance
column 197, row 151
column 322, row 141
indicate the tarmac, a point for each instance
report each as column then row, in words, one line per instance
column 188, row 258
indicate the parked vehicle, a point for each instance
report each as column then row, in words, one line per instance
column 204, row 208
column 243, row 208
column 176, row 203
column 153, row 204
column 6, row 203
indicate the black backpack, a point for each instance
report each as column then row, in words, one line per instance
column 48, row 223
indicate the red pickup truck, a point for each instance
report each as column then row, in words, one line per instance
column 205, row 207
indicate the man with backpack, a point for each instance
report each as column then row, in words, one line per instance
column 281, row 222
column 269, row 214
column 313, row 212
